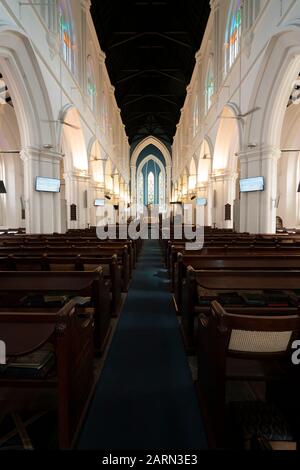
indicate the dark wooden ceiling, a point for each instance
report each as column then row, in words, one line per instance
column 150, row 51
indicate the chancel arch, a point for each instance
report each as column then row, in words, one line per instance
column 151, row 153
column 151, row 177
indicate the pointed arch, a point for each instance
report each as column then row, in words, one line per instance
column 27, row 88
column 192, row 182
column 151, row 141
column 228, row 140
column 96, row 162
column 73, row 142
column 204, row 162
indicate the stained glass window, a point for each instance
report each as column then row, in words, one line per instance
column 66, row 34
column 161, row 189
column 151, row 188
column 91, row 86
column 233, row 34
column 141, row 190
column 196, row 116
column 209, row 86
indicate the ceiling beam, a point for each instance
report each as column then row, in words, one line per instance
column 145, row 72
column 150, row 33
column 158, row 97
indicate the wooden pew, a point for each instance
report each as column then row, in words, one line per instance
column 110, row 266
column 230, row 280
column 228, row 350
column 70, row 378
column 15, row 285
column 250, row 262
column 31, row 252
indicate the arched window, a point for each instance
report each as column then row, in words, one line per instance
column 141, row 191
column 67, row 36
column 161, row 184
column 196, row 117
column 233, row 34
column 48, row 10
column 209, row 85
column 150, row 188
column 91, row 83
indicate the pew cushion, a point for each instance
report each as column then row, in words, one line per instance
column 253, row 419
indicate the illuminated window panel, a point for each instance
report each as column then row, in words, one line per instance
column 151, row 188
column 233, row 34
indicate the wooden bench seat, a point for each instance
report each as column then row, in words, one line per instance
column 231, row 280
column 242, row 348
column 68, row 382
column 246, row 262
column 111, row 269
column 14, row 286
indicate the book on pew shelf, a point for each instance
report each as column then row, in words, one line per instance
column 277, row 299
column 82, row 301
column 231, row 299
column 58, row 300
column 254, row 299
column 46, row 301
column 34, row 365
column 205, row 301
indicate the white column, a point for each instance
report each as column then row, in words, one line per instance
column 42, row 209
column 223, row 192
column 133, row 190
column 168, row 184
column 257, row 209
column 76, row 185
column 210, row 202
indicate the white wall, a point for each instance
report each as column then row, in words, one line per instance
column 261, row 77
column 30, row 58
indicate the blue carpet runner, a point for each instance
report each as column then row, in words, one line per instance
column 145, row 397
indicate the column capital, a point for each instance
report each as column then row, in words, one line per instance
column 38, row 154
column 259, row 152
column 223, row 175
column 86, row 4
column 214, row 4
column 77, row 175
column 102, row 56
column 199, row 57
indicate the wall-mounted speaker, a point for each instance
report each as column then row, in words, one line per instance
column 85, row 199
column 215, row 199
column 227, row 212
column 23, row 214
column 73, row 212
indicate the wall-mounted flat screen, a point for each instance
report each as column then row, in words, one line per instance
column 201, row 201
column 48, row 185
column 248, row 185
column 99, row 202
